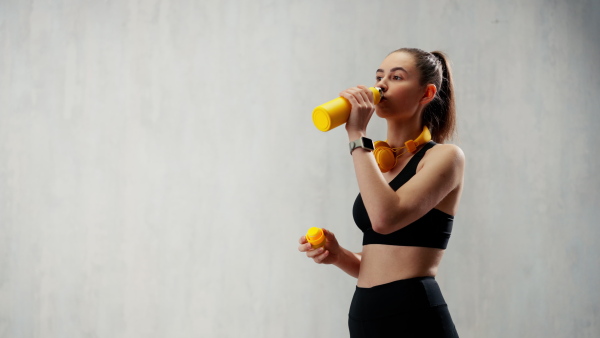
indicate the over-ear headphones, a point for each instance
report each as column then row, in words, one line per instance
column 387, row 157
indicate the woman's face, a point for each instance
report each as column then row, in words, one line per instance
column 399, row 78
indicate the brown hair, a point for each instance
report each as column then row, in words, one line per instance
column 440, row 114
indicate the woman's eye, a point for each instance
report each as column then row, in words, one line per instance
column 378, row 78
column 397, row 77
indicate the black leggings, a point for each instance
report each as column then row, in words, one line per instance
column 411, row 307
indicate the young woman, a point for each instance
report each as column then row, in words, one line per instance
column 406, row 211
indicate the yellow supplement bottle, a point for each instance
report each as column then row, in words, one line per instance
column 336, row 112
column 316, row 237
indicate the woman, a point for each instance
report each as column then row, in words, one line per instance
column 406, row 212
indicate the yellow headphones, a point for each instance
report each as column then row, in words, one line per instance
column 387, row 157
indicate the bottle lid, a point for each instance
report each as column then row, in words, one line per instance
column 315, row 235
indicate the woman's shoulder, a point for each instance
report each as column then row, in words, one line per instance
column 448, row 148
column 445, row 153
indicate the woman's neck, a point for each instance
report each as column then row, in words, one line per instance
column 400, row 131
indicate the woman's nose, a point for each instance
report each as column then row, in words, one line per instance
column 381, row 85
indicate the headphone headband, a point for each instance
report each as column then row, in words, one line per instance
column 423, row 138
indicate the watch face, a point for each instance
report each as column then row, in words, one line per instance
column 368, row 143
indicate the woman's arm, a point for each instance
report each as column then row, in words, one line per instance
column 391, row 210
column 349, row 262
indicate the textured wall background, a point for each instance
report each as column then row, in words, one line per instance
column 158, row 164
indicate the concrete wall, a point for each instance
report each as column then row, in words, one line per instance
column 158, row 164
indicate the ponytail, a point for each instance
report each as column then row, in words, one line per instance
column 440, row 114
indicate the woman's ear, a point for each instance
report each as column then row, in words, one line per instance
column 429, row 94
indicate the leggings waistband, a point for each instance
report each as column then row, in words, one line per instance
column 396, row 297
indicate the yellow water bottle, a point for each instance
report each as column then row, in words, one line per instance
column 336, row 112
column 316, row 237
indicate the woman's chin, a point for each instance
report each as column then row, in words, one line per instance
column 382, row 113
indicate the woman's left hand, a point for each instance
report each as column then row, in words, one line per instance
column 361, row 99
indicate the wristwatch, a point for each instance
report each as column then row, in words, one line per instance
column 363, row 142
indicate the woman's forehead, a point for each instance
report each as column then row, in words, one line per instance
column 398, row 59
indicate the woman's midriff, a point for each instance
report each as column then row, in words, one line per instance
column 381, row 264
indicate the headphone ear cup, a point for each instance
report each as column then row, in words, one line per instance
column 385, row 157
column 378, row 144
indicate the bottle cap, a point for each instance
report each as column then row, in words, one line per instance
column 316, row 237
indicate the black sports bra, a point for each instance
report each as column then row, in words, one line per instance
column 432, row 230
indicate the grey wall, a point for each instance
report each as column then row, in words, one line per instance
column 158, row 164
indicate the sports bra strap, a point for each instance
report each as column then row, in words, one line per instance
column 411, row 167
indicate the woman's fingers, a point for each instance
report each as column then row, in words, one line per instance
column 358, row 95
column 318, row 255
column 305, row 247
column 315, row 253
column 320, row 258
column 364, row 94
column 351, row 98
column 365, row 90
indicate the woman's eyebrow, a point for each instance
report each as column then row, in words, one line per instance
column 393, row 70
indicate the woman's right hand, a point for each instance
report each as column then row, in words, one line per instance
column 327, row 254
column 361, row 100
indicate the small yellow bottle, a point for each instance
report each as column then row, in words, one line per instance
column 316, row 237
column 336, row 112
